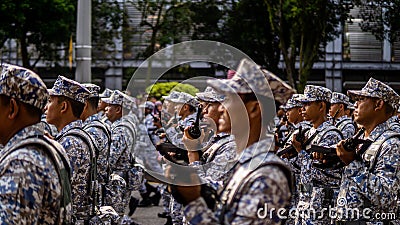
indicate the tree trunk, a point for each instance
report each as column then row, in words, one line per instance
column 24, row 51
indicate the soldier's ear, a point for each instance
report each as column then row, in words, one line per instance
column 14, row 108
column 379, row 104
column 64, row 106
column 253, row 109
column 118, row 109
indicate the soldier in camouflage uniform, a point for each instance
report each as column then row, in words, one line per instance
column 394, row 121
column 123, row 139
column 66, row 103
column 100, row 132
column 220, row 151
column 259, row 177
column 33, row 169
column 293, row 109
column 371, row 179
column 339, row 104
column 318, row 186
column 101, row 107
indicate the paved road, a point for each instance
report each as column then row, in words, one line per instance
column 148, row 215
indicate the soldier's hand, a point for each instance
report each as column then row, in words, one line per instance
column 193, row 156
column 318, row 156
column 296, row 144
column 345, row 156
column 189, row 142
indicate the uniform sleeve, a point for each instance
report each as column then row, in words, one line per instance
column 218, row 168
column 382, row 184
column 23, row 187
column 118, row 144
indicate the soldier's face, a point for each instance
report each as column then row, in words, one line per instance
column 53, row 111
column 211, row 111
column 364, row 111
column 112, row 112
column 311, row 111
column 334, row 108
column 294, row 115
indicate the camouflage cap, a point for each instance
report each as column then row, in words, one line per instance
column 106, row 93
column 172, row 95
column 377, row 89
column 248, row 79
column 185, row 98
column 293, row 102
column 210, row 95
column 93, row 88
column 69, row 88
column 24, row 85
column 314, row 93
column 340, row 98
column 118, row 98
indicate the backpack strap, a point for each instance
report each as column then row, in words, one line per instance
column 378, row 145
column 209, row 154
column 247, row 174
column 132, row 130
column 92, row 182
column 61, row 164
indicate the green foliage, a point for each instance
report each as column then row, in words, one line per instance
column 303, row 27
column 43, row 24
column 162, row 89
column 381, row 18
column 247, row 28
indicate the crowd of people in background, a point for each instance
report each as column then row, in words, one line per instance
column 74, row 154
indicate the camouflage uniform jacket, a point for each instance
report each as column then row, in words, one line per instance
column 217, row 159
column 394, row 123
column 176, row 137
column 318, row 187
column 102, row 138
column 30, row 189
column 346, row 126
column 79, row 154
column 122, row 143
column 269, row 185
column 374, row 188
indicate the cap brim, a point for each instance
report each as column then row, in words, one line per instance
column 51, row 92
column 106, row 100
column 353, row 93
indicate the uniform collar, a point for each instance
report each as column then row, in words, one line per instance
column 32, row 130
column 94, row 117
column 73, row 124
column 265, row 145
column 378, row 130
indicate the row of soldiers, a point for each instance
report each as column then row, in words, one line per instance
column 340, row 164
column 62, row 160
column 223, row 136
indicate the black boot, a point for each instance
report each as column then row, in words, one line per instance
column 155, row 199
column 133, row 203
column 169, row 221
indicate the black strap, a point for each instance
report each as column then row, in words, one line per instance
column 85, row 137
column 100, row 125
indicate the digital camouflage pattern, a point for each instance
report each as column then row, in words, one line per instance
column 24, row 85
column 79, row 155
column 346, row 126
column 102, row 141
column 377, row 89
column 218, row 159
column 247, row 79
column 69, row 88
column 30, row 188
column 210, row 95
column 93, row 89
column 269, row 186
column 375, row 188
column 340, row 98
column 314, row 93
column 316, row 182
